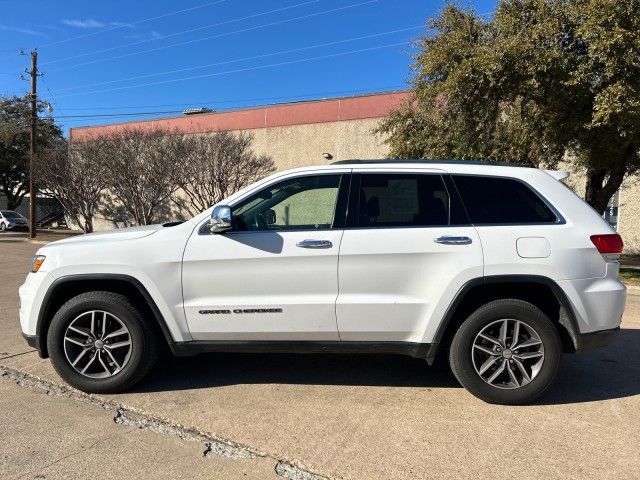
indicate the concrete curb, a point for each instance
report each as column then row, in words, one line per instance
column 130, row 416
column 633, row 289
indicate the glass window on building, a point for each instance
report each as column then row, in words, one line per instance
column 611, row 213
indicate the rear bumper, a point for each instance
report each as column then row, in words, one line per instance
column 597, row 303
column 592, row 340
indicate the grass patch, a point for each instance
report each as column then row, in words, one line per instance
column 630, row 276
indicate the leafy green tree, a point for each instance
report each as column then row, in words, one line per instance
column 14, row 145
column 540, row 82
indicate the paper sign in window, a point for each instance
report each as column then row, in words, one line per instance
column 403, row 196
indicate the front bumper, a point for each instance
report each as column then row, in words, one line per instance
column 31, row 294
column 592, row 340
column 22, row 228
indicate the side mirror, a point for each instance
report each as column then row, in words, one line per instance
column 220, row 219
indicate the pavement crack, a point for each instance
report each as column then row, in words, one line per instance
column 17, row 354
column 128, row 416
column 212, row 444
column 292, row 472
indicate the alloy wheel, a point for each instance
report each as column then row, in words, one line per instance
column 507, row 353
column 97, row 344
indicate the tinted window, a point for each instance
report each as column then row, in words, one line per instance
column 402, row 200
column 11, row 214
column 491, row 200
column 305, row 203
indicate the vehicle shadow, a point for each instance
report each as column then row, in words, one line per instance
column 221, row 369
column 602, row 374
column 608, row 373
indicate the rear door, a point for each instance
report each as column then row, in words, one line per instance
column 407, row 250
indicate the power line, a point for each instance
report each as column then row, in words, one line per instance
column 254, row 57
column 144, row 20
column 290, row 98
column 164, row 37
column 109, row 115
column 188, row 42
column 55, row 103
column 12, row 50
column 260, row 67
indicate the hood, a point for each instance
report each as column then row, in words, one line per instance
column 118, row 234
column 19, row 220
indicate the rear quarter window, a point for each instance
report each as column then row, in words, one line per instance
column 502, row 201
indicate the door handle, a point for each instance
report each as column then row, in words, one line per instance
column 315, row 244
column 450, row 240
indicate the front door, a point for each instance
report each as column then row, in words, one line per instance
column 408, row 251
column 274, row 276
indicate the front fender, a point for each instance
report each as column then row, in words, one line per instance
column 174, row 327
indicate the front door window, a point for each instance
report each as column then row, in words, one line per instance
column 304, row 203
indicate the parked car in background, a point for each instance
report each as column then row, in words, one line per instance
column 10, row 220
column 499, row 269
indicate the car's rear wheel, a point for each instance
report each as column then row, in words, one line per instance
column 3, row 226
column 100, row 343
column 508, row 352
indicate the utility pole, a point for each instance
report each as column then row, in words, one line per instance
column 32, row 144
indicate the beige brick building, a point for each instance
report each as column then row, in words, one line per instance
column 306, row 133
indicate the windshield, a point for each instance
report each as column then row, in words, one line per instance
column 10, row 214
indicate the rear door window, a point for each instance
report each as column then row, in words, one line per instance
column 502, row 201
column 402, row 200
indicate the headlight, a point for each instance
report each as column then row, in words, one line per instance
column 38, row 260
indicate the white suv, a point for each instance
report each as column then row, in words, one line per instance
column 501, row 268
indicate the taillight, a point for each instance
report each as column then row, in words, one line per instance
column 610, row 243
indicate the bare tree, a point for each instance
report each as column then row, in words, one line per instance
column 218, row 165
column 143, row 170
column 75, row 176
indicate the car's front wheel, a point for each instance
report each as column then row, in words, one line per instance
column 100, row 343
column 3, row 226
column 507, row 352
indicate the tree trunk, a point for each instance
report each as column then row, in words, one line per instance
column 597, row 192
column 595, row 178
column 88, row 224
column 13, row 201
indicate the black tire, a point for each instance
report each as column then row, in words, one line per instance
column 3, row 227
column 145, row 343
column 460, row 354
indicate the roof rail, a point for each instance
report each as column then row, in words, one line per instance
column 427, row 161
